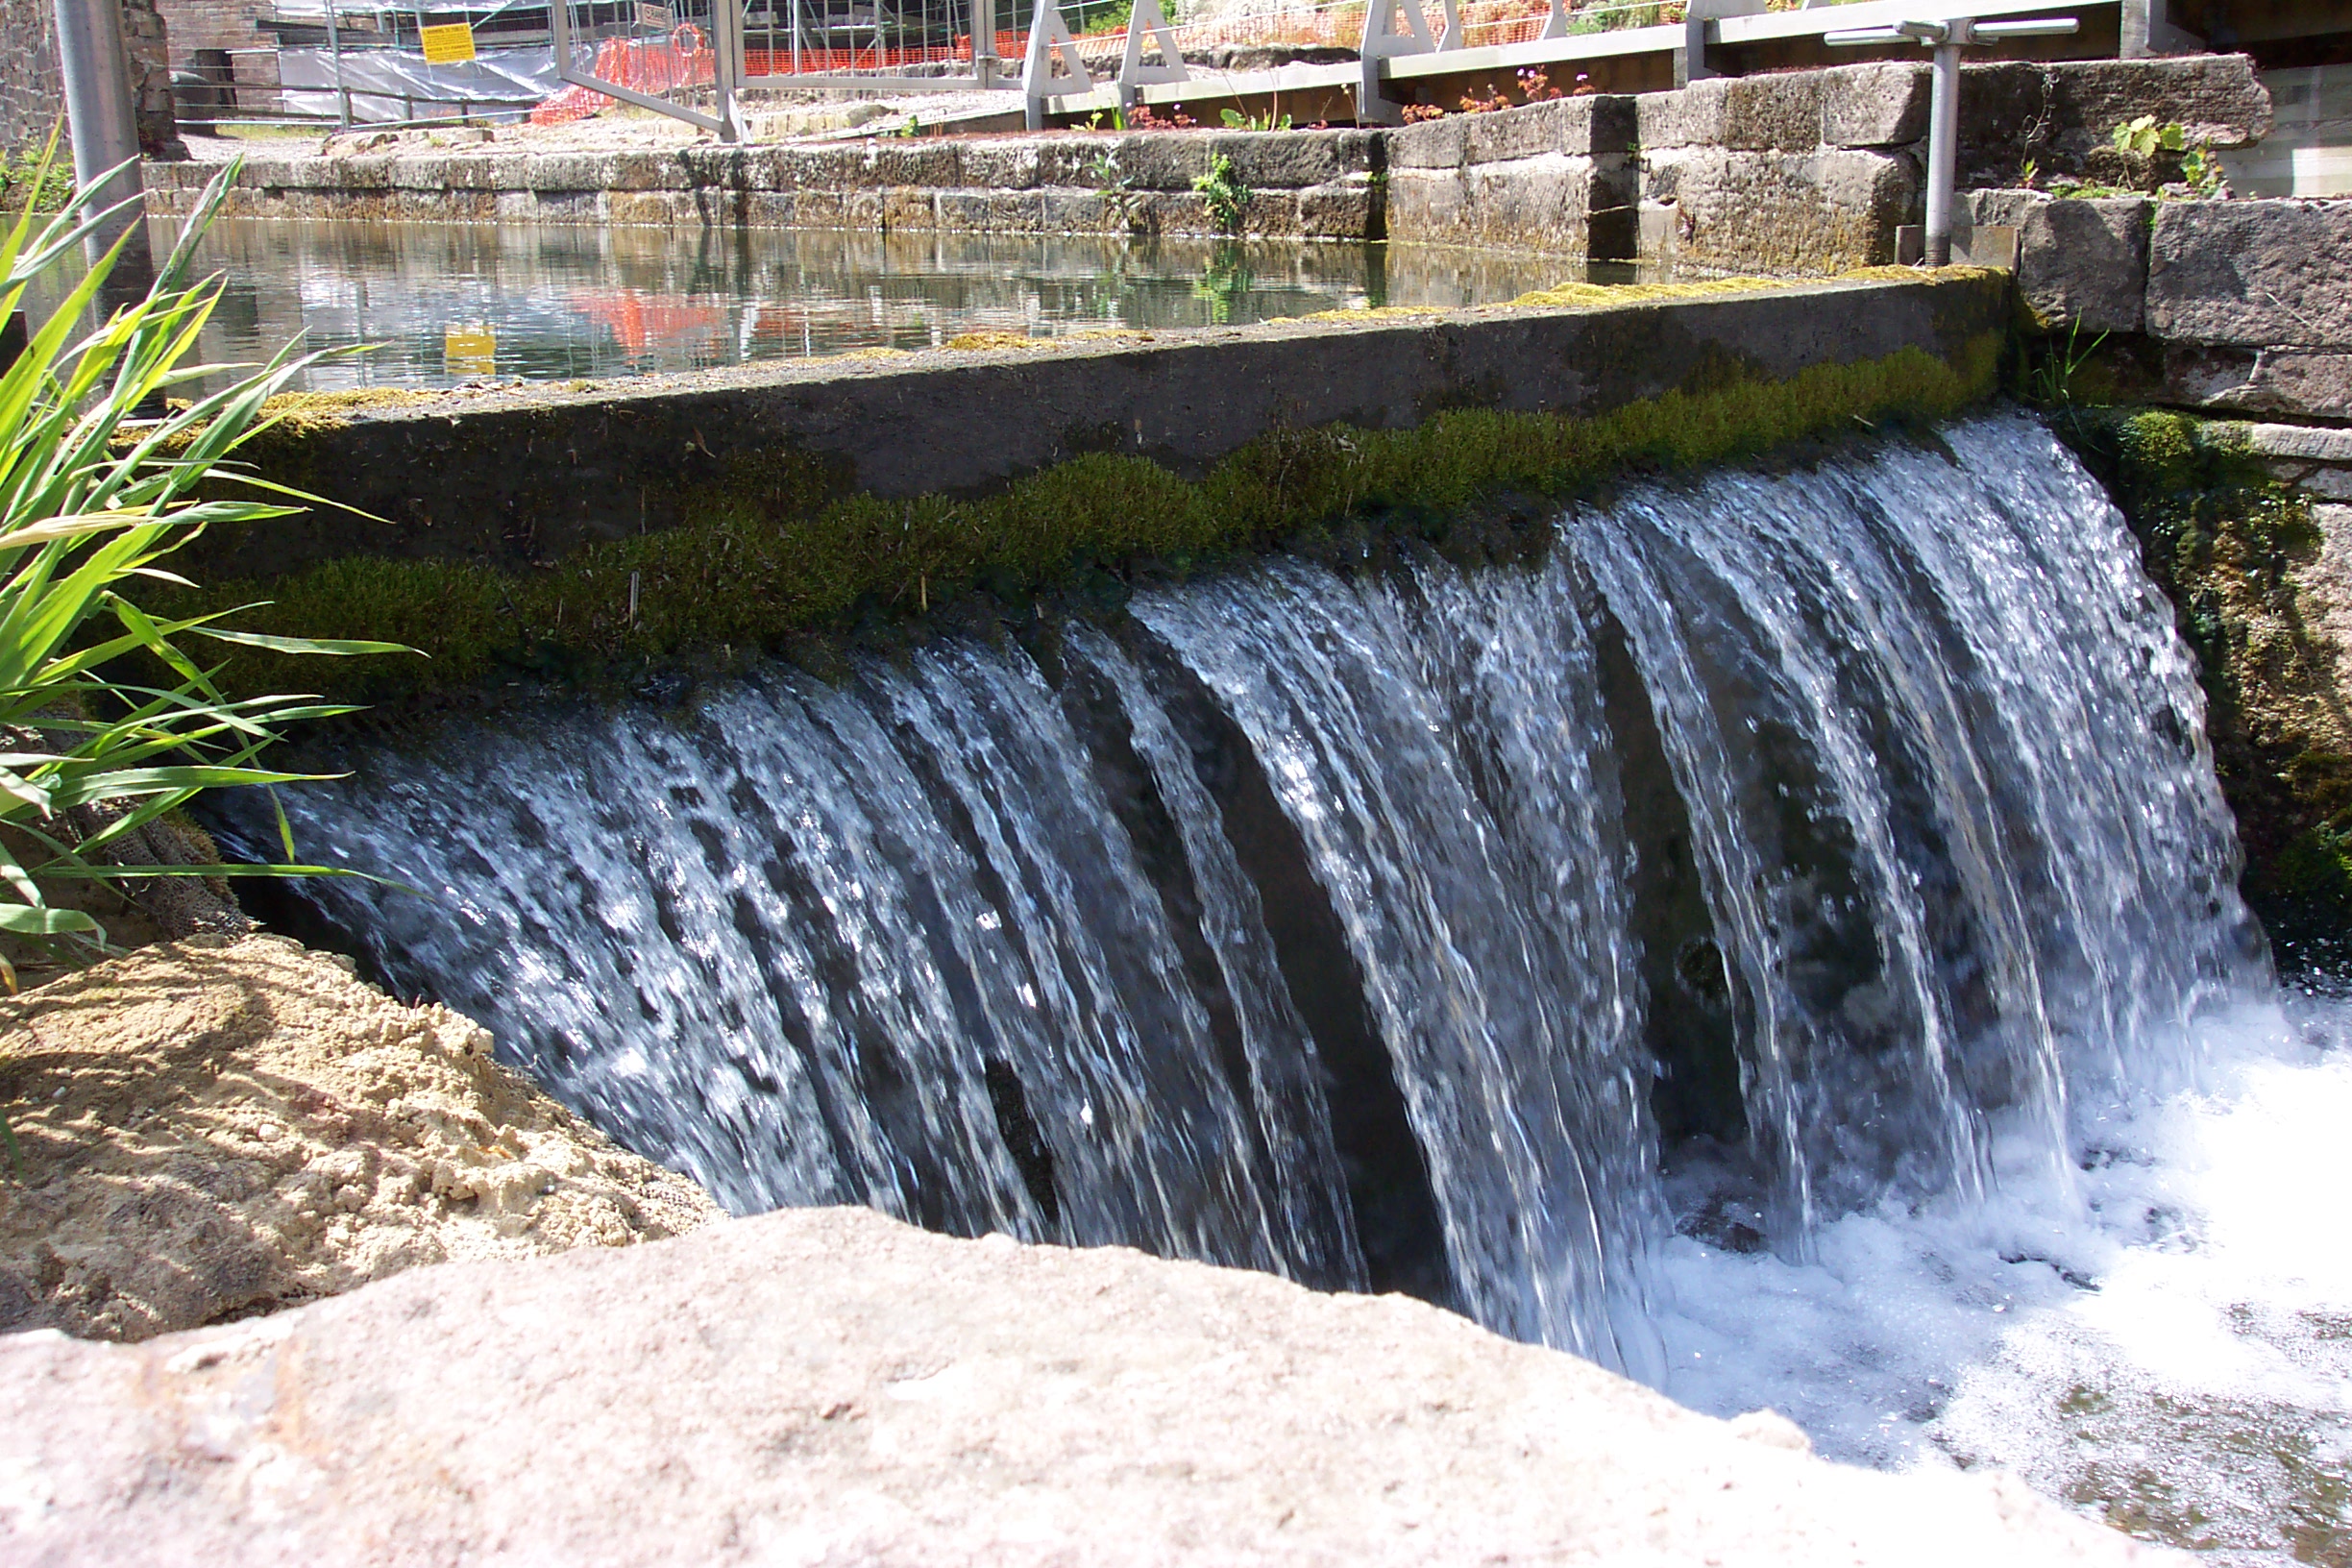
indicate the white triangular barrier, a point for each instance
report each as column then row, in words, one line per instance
column 1148, row 24
column 1041, row 76
column 1454, row 39
column 1382, row 37
column 1557, row 26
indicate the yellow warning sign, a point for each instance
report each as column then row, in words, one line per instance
column 469, row 351
column 448, row 45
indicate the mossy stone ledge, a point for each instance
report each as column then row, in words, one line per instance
column 603, row 531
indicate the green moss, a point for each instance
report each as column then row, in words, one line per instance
column 767, row 553
column 2228, row 542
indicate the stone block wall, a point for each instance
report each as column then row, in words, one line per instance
column 32, row 92
column 210, row 24
column 1558, row 176
column 1304, row 185
column 1806, row 171
column 2239, row 306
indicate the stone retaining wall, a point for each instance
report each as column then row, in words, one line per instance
column 1314, row 184
column 2238, row 306
column 1803, row 172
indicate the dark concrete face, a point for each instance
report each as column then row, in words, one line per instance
column 520, row 478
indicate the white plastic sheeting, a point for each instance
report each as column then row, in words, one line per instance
column 398, row 84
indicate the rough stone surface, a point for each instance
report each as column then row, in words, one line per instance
column 1558, row 204
column 2311, row 443
column 2079, row 260
column 831, row 1387
column 2058, row 113
column 217, row 1130
column 1883, row 105
column 2304, row 384
column 2272, row 274
column 1823, row 212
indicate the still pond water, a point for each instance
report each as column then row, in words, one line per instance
column 447, row 303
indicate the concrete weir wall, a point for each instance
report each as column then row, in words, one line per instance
column 519, row 478
column 1801, row 172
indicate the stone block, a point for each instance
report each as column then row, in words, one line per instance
column 1343, row 209
column 1691, row 116
column 1822, row 212
column 1530, row 130
column 2305, row 441
column 1432, row 144
column 909, row 207
column 1425, row 206
column 646, row 171
column 992, row 212
column 2056, row 114
column 1066, row 210
column 2253, row 274
column 1172, row 213
column 1162, row 159
column 1775, row 114
column 1757, row 114
column 937, row 163
column 1880, row 105
column 1283, row 161
column 1271, row 213
column 563, row 171
column 1004, row 166
column 2296, row 382
column 776, row 209
column 2079, row 263
column 424, row 172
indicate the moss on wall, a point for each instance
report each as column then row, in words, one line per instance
column 2228, row 544
column 764, row 556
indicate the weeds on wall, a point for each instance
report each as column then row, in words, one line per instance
column 1228, row 198
column 2157, row 149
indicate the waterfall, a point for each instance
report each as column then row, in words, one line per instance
column 1767, row 845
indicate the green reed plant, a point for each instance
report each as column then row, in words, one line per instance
column 103, row 705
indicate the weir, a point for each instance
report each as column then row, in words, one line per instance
column 1749, row 850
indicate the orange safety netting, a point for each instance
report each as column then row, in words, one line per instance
column 660, row 65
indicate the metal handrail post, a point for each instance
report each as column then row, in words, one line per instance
column 1947, row 37
column 106, row 146
column 1943, row 151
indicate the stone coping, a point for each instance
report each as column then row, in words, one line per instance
column 520, row 477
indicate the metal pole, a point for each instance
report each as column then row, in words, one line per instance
column 104, row 128
column 334, row 47
column 1943, row 151
column 984, row 42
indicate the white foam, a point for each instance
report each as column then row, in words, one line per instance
column 2164, row 1338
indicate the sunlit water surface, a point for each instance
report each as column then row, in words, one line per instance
column 447, row 303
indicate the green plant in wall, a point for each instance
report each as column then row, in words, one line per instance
column 108, row 720
column 2146, row 139
column 1227, row 196
column 1235, row 120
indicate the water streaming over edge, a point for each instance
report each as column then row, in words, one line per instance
column 1775, row 853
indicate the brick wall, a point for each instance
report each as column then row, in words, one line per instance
column 31, row 95
column 211, row 24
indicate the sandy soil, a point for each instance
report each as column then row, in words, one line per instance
column 217, row 1128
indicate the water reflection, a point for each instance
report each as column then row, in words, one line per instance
column 454, row 303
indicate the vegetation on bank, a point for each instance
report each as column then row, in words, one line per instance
column 2226, row 542
column 770, row 552
column 109, row 722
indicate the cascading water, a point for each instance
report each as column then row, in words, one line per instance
column 1769, row 850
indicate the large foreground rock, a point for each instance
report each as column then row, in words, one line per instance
column 831, row 1387
column 215, row 1128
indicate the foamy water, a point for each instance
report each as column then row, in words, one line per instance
column 2165, row 1341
